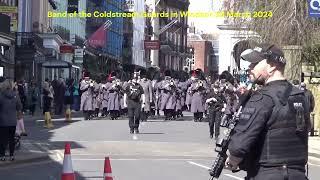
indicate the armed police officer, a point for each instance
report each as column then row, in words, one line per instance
column 270, row 140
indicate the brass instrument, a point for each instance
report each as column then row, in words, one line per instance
column 200, row 84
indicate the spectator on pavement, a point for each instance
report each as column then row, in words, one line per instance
column 309, row 96
column 76, row 97
column 22, row 95
column 10, row 106
column 33, row 98
column 309, row 99
column 47, row 91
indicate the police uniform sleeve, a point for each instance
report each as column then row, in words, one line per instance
column 251, row 123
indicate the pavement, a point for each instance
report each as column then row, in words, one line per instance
column 33, row 152
column 179, row 148
column 314, row 150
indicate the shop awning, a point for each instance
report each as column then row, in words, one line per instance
column 56, row 64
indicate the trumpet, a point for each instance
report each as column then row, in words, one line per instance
column 200, row 83
column 92, row 82
column 171, row 82
column 116, row 83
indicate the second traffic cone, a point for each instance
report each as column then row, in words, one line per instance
column 67, row 170
column 68, row 113
column 107, row 170
column 50, row 125
column 47, row 120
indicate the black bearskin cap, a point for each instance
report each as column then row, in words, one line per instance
column 167, row 73
column 86, row 74
column 227, row 76
column 143, row 73
column 113, row 73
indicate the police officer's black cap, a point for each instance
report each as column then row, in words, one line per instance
column 263, row 51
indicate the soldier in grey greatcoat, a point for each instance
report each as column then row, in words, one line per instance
column 87, row 88
column 148, row 93
column 104, row 97
column 198, row 91
column 181, row 96
column 114, row 97
column 96, row 99
column 168, row 98
column 157, row 96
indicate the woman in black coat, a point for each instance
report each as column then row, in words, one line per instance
column 10, row 106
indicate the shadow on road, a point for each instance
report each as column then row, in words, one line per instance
column 37, row 144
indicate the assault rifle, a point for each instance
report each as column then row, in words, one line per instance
column 223, row 143
column 222, row 147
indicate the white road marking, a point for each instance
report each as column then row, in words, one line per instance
column 200, row 165
column 206, row 167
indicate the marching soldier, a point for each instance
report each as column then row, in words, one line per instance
column 198, row 91
column 168, row 99
column 114, row 97
column 157, row 95
column 96, row 98
column 105, row 96
column 87, row 88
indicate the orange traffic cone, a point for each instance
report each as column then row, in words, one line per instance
column 67, row 171
column 107, row 170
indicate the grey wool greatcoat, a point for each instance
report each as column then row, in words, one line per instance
column 157, row 98
column 168, row 95
column 198, row 91
column 114, row 96
column 188, row 96
column 87, row 96
column 96, row 96
column 148, row 92
column 105, row 94
column 180, row 95
column 184, row 88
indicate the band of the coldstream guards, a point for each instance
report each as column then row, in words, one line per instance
column 168, row 92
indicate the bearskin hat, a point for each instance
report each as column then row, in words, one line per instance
column 113, row 73
column 227, row 76
column 143, row 73
column 192, row 73
column 86, row 74
column 167, row 73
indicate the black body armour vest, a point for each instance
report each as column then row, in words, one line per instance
column 286, row 133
